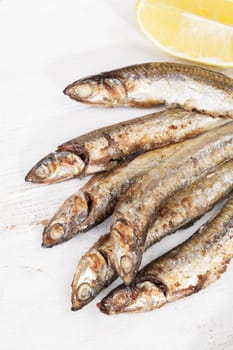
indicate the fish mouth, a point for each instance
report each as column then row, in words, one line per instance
column 39, row 172
column 103, row 308
column 79, row 91
column 82, row 90
column 79, row 304
column 73, row 308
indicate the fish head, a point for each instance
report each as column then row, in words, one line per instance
column 127, row 253
column 56, row 167
column 98, row 90
column 90, row 278
column 138, row 297
column 68, row 221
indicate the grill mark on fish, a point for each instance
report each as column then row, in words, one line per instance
column 150, row 84
column 184, row 207
column 102, row 149
column 180, row 272
column 97, row 198
column 139, row 208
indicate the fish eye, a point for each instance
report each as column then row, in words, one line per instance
column 126, row 264
column 84, row 90
column 57, row 231
column 84, row 291
column 42, row 171
column 120, row 299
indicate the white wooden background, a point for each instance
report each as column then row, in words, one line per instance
column 44, row 46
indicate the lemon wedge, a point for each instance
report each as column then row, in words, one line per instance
column 197, row 30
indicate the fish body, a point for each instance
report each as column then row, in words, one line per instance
column 151, row 84
column 97, row 198
column 136, row 211
column 102, row 149
column 185, row 270
column 96, row 271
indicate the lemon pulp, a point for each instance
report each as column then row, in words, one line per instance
column 198, row 30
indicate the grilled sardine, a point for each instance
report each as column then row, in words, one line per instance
column 185, row 270
column 97, row 198
column 150, row 84
column 136, row 211
column 96, row 271
column 102, row 149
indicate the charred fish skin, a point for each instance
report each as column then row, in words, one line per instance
column 135, row 212
column 97, row 198
column 179, row 210
column 151, row 84
column 102, row 149
column 181, row 272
